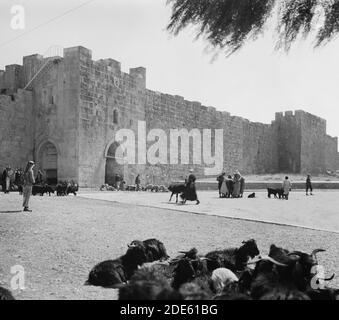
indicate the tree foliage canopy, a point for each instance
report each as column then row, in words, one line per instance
column 228, row 24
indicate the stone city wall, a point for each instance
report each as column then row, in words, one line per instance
column 16, row 135
column 79, row 105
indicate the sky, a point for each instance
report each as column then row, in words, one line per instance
column 254, row 83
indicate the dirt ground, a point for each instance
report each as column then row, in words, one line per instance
column 63, row 238
column 319, row 211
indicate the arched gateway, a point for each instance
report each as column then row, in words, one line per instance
column 115, row 166
column 48, row 162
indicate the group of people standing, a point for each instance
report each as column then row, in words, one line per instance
column 10, row 178
column 229, row 186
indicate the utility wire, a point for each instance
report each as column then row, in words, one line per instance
column 45, row 23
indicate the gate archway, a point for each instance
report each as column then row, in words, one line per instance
column 48, row 162
column 115, row 166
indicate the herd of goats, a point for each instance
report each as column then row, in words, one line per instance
column 64, row 188
column 146, row 272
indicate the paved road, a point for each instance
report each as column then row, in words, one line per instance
column 319, row 212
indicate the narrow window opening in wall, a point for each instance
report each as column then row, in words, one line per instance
column 51, row 99
column 115, row 116
column 12, row 97
column 131, row 122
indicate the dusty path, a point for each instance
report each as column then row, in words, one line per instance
column 63, row 238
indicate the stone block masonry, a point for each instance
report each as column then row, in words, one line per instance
column 16, row 134
column 68, row 118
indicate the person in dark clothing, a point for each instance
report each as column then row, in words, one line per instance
column 137, row 182
column 6, row 179
column 39, row 177
column 3, row 181
column 18, row 181
column 309, row 185
column 190, row 193
column 117, row 180
column 229, row 184
column 220, row 180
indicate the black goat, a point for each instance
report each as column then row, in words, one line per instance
column 155, row 249
column 283, row 275
column 38, row 189
column 49, row 189
column 5, row 294
column 192, row 268
column 151, row 282
column 65, row 188
column 42, row 189
column 276, row 192
column 148, row 290
column 112, row 273
column 176, row 189
column 61, row 189
column 73, row 188
column 234, row 259
column 192, row 279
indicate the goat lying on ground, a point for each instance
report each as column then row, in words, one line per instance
column 155, row 249
column 234, row 259
column 111, row 273
column 181, row 278
column 192, row 279
column 287, row 276
column 282, row 275
column 151, row 282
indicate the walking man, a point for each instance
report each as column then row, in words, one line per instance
column 287, row 186
column 28, row 185
column 309, row 185
column 137, row 182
